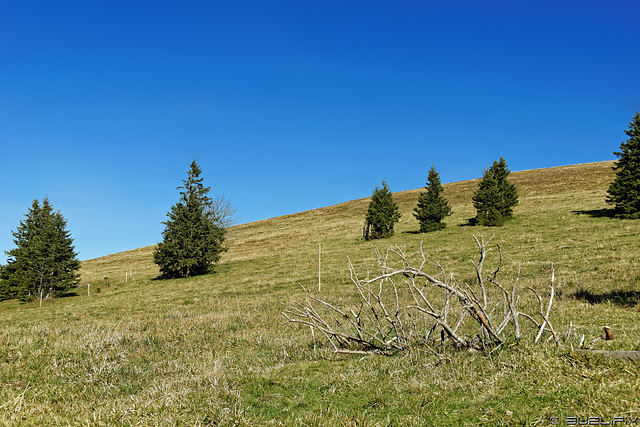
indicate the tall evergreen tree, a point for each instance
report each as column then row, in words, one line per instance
column 193, row 237
column 382, row 214
column 432, row 207
column 44, row 262
column 624, row 191
column 496, row 197
column 5, row 291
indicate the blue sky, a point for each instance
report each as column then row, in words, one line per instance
column 294, row 105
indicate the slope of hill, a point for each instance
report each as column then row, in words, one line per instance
column 212, row 350
column 586, row 184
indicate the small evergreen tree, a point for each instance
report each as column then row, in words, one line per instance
column 624, row 191
column 496, row 197
column 382, row 214
column 193, row 237
column 432, row 207
column 44, row 262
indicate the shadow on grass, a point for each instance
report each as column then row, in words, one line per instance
column 423, row 232
column 69, row 293
column 621, row 298
column 217, row 269
column 471, row 222
column 596, row 213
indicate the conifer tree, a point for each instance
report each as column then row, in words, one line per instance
column 5, row 291
column 496, row 197
column 44, row 262
column 432, row 207
column 193, row 237
column 624, row 191
column 382, row 214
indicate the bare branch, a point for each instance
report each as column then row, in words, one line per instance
column 223, row 214
column 545, row 316
column 396, row 304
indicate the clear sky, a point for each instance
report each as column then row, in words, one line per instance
column 294, row 105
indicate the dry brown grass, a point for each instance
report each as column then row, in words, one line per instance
column 298, row 234
column 211, row 350
column 113, row 267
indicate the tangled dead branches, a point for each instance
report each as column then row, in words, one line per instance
column 404, row 305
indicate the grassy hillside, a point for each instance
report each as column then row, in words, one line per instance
column 212, row 350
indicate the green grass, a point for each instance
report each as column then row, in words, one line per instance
column 212, row 350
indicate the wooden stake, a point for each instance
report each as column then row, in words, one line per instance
column 319, row 264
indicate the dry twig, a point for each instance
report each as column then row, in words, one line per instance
column 399, row 308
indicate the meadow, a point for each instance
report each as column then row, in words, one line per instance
column 129, row 349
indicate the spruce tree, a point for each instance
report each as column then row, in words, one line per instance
column 44, row 262
column 5, row 291
column 382, row 214
column 193, row 237
column 496, row 197
column 624, row 191
column 432, row 207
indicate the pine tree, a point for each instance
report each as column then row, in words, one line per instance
column 193, row 237
column 496, row 197
column 624, row 191
column 382, row 214
column 432, row 207
column 44, row 262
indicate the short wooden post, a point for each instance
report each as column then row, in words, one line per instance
column 319, row 264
